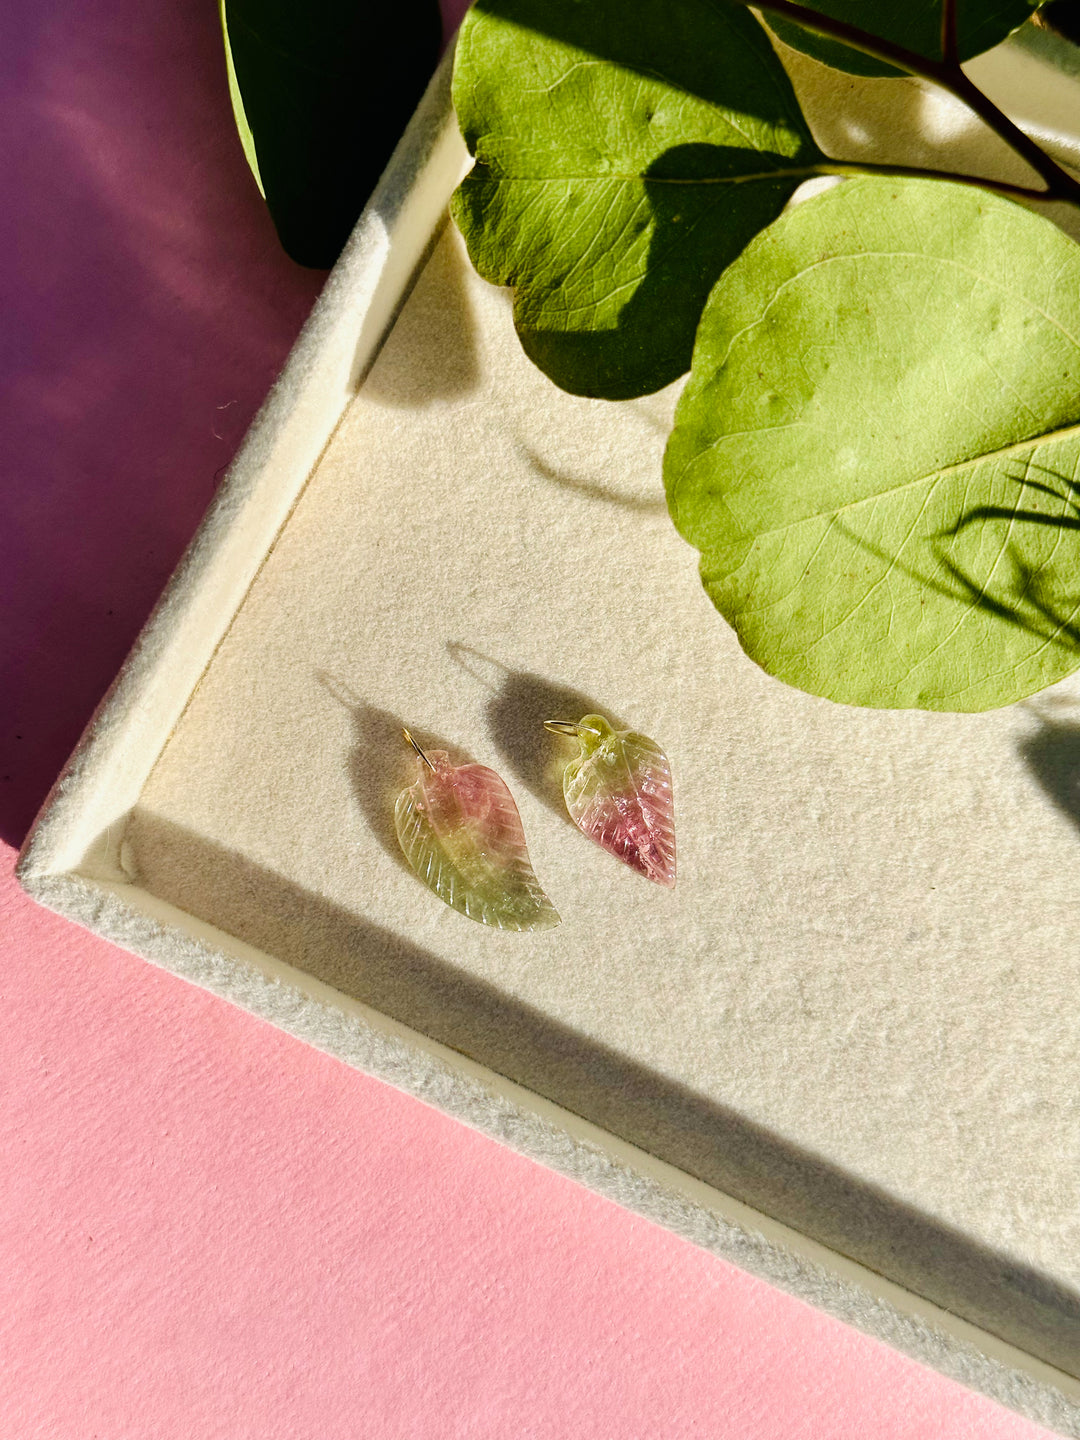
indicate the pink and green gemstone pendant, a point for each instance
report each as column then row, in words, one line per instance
column 618, row 793
column 461, row 832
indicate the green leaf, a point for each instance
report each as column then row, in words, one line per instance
column 247, row 140
column 322, row 91
column 878, row 449
column 914, row 24
column 622, row 161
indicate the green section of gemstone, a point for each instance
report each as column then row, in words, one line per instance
column 460, row 830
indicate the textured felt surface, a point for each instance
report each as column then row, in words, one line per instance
column 871, row 899
column 209, row 1228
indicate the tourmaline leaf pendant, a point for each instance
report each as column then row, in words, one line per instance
column 461, row 832
column 618, row 792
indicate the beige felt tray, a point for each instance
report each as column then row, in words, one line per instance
column 844, row 1052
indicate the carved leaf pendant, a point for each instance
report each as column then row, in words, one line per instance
column 461, row 832
column 618, row 792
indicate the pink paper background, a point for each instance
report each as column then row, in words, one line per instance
column 206, row 1228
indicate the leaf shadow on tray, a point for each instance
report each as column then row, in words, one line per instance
column 370, row 963
column 440, row 322
column 518, row 704
column 1052, row 753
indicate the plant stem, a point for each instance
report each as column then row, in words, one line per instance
column 950, row 49
column 1060, row 185
column 917, row 172
column 837, row 167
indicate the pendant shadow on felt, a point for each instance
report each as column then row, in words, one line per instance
column 519, row 702
column 380, row 761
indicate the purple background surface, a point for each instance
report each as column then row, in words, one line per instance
column 209, row 1229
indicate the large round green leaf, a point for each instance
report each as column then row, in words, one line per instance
column 878, row 449
column 623, row 158
column 914, row 24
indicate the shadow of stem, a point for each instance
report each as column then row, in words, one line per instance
column 1020, row 585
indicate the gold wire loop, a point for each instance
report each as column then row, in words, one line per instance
column 419, row 752
column 569, row 727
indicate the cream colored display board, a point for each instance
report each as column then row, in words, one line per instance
column 844, row 1052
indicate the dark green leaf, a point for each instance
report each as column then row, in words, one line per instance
column 878, row 450
column 326, row 88
column 624, row 156
column 914, row 24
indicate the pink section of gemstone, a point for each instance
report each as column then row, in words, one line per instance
column 625, row 831
column 635, row 825
column 477, row 797
column 618, row 793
